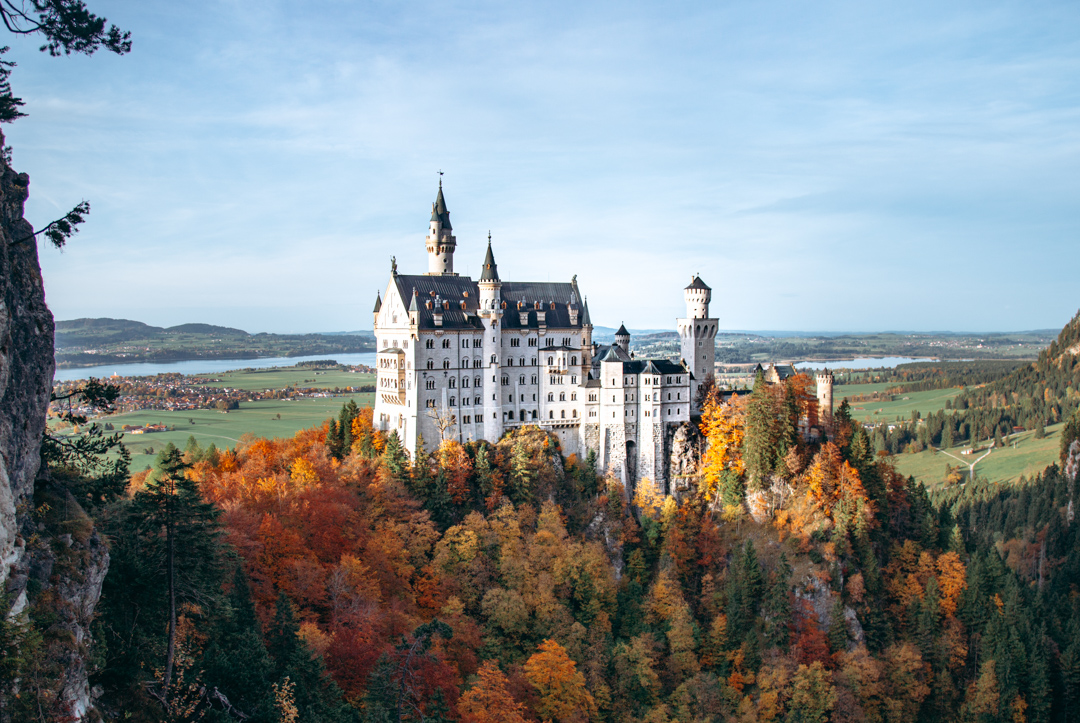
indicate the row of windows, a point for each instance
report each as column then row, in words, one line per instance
column 629, row 381
column 562, row 396
column 394, row 342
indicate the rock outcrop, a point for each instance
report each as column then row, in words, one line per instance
column 687, row 446
column 29, row 549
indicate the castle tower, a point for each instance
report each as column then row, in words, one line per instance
column 378, row 308
column 697, row 333
column 824, row 397
column 440, row 241
column 622, row 338
column 491, row 312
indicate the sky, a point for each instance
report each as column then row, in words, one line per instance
column 824, row 166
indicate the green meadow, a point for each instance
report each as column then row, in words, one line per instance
column 902, row 405
column 224, row 429
column 280, row 378
column 1023, row 455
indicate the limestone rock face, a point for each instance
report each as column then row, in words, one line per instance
column 26, row 363
column 26, row 373
column 686, row 447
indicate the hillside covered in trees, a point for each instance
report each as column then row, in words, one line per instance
column 328, row 577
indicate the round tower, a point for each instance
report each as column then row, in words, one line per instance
column 622, row 338
column 490, row 311
column 824, row 381
column 697, row 334
column 697, row 295
column 440, row 241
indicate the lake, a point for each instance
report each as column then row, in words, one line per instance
column 885, row 362
column 205, row 366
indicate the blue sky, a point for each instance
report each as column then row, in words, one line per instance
column 823, row 166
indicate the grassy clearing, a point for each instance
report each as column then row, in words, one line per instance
column 1024, row 455
column 225, row 429
column 279, row 378
column 902, row 405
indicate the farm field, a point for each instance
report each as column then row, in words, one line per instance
column 1028, row 457
column 903, row 405
column 281, row 377
column 259, row 418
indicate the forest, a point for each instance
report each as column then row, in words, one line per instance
column 329, row 577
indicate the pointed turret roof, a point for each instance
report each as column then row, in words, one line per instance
column 491, row 271
column 697, row 283
column 378, row 302
column 414, row 306
column 586, row 320
column 438, row 210
column 622, row 331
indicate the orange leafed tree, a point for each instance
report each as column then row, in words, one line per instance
column 723, row 424
column 455, row 463
column 559, row 685
column 490, row 701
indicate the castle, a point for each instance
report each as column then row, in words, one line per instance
column 468, row 360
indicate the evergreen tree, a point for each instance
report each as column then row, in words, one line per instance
column 837, row 635
column 396, row 458
column 762, row 441
column 778, row 608
column 521, row 475
column 318, row 698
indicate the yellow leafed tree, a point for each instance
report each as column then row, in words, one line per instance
column 723, row 424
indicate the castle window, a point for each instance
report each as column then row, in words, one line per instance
column 612, row 398
column 573, row 413
column 476, row 381
column 429, row 384
column 532, row 379
column 510, row 414
column 445, row 363
column 464, row 343
column 573, row 397
column 532, row 341
column 669, row 396
column 573, row 379
column 551, row 361
column 521, row 379
column 466, row 419
column 678, row 380
column 445, row 343
column 453, row 402
column 430, row 363
column 476, row 363
column 533, row 362
column 669, row 380
column 509, row 398
column 494, row 359
column 476, row 401
column 510, row 362
column 521, row 362
column 573, row 361
column 431, row 403
column 465, row 382
column 551, row 396
column 515, row 342
column 429, row 344
column 453, row 382
column 505, row 381
column 551, row 414
column 522, row 398
column 562, row 396
column 534, row 414
column 477, row 343
column 562, row 414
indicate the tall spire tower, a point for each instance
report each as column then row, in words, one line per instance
column 440, row 241
column 490, row 313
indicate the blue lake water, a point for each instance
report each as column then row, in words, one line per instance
column 205, row 366
column 885, row 362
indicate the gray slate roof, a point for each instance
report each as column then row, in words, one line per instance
column 697, row 283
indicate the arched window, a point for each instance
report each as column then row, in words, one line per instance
column 551, row 361
column 430, row 344
column 445, row 363
column 573, row 361
column 429, row 384
column 510, row 361
column 465, row 382
column 551, row 414
column 573, row 413
column 562, row 396
column 510, row 414
column 551, row 396
column 506, row 381
column 452, row 400
column 453, row 382
column 494, row 359
column 521, row 379
column 534, row 414
column 562, row 414
column 430, row 363
column 445, row 343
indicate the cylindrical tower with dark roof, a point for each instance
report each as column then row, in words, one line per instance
column 440, row 241
column 622, row 338
column 697, row 334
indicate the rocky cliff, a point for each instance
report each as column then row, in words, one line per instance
column 51, row 564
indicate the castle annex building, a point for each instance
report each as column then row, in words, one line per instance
column 470, row 359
